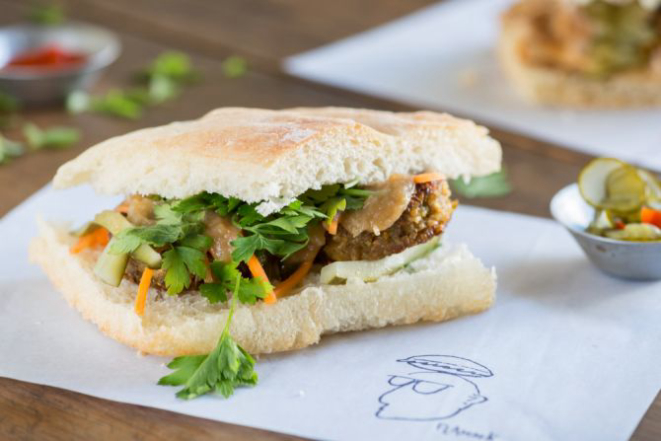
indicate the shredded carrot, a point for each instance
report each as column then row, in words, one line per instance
column 98, row 237
column 257, row 270
column 290, row 283
column 427, row 177
column 143, row 288
column 332, row 226
column 650, row 216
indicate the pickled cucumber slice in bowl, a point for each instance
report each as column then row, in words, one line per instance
column 610, row 184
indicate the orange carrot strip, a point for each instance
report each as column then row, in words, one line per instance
column 257, row 270
column 290, row 283
column 83, row 242
column 427, row 177
column 98, row 237
column 650, row 216
column 143, row 288
column 332, row 226
column 101, row 237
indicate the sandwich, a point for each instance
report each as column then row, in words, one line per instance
column 265, row 229
column 584, row 53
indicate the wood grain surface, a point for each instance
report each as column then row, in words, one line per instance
column 263, row 31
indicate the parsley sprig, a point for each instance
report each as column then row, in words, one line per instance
column 227, row 367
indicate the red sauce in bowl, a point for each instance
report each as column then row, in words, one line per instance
column 48, row 57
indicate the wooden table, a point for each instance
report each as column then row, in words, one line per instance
column 263, row 31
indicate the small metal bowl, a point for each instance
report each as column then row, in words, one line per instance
column 628, row 260
column 31, row 86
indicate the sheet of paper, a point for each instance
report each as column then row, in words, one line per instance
column 566, row 353
column 443, row 57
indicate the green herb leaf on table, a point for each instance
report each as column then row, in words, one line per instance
column 161, row 89
column 9, row 149
column 235, row 67
column 227, row 367
column 176, row 66
column 51, row 138
column 490, row 186
column 117, row 103
column 8, row 104
column 46, row 14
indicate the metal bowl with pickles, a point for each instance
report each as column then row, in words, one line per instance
column 614, row 213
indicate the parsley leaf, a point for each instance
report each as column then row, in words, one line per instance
column 214, row 292
column 172, row 65
column 228, row 366
column 225, row 276
column 9, row 149
column 177, row 277
column 8, row 104
column 197, row 241
column 167, row 215
column 244, row 247
column 46, row 15
column 157, row 235
column 490, row 186
column 52, row 138
column 234, row 66
column 195, row 260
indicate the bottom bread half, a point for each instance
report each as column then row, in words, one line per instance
column 448, row 283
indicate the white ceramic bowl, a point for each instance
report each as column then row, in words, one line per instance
column 31, row 86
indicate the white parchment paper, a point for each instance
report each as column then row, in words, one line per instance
column 566, row 353
column 443, row 57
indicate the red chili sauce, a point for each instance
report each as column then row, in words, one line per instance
column 47, row 57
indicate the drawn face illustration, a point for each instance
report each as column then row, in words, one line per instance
column 438, row 392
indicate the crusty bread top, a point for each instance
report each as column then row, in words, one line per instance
column 275, row 155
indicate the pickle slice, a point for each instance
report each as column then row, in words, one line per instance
column 636, row 233
column 110, row 267
column 653, row 194
column 603, row 220
column 592, row 180
column 625, row 190
column 610, row 184
column 115, row 223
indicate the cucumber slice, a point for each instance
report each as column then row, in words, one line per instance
column 592, row 180
column 626, row 190
column 636, row 233
column 369, row 271
column 610, row 184
column 112, row 221
column 110, row 267
column 149, row 256
column 85, row 229
column 116, row 223
column 602, row 221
